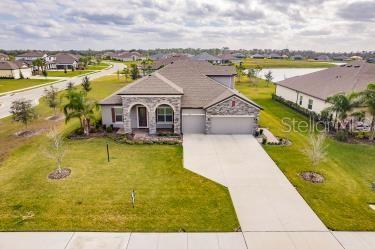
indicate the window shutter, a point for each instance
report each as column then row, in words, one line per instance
column 113, row 115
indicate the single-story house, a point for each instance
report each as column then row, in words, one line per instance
column 297, row 57
column 311, row 91
column 274, row 56
column 66, row 60
column 228, row 58
column 206, row 57
column 258, row 56
column 4, row 57
column 322, row 58
column 184, row 97
column 15, row 69
column 127, row 56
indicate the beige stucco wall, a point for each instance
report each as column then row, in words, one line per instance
column 6, row 73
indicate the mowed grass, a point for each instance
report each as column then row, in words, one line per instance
column 342, row 201
column 96, row 197
column 284, row 63
column 69, row 73
column 7, row 85
column 100, row 66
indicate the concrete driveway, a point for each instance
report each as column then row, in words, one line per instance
column 263, row 197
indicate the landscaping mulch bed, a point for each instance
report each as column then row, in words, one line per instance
column 312, row 177
column 55, row 118
column 56, row 175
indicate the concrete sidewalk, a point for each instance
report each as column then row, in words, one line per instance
column 254, row 240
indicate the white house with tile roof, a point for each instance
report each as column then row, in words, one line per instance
column 186, row 97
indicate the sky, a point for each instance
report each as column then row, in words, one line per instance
column 327, row 26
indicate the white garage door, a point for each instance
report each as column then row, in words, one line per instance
column 232, row 125
column 193, row 123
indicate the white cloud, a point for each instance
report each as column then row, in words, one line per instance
column 323, row 25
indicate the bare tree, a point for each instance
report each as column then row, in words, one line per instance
column 316, row 150
column 56, row 148
column 268, row 77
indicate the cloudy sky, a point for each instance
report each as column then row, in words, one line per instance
column 330, row 25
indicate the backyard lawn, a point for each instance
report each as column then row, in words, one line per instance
column 100, row 66
column 284, row 63
column 96, row 196
column 69, row 73
column 342, row 201
column 7, row 85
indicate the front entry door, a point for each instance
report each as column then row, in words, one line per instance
column 142, row 117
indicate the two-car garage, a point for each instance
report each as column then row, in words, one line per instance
column 194, row 122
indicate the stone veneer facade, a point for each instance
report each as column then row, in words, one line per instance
column 225, row 108
column 151, row 103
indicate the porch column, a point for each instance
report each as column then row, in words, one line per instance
column 127, row 121
column 177, row 122
column 152, row 122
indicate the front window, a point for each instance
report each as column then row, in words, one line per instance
column 118, row 115
column 310, row 104
column 164, row 114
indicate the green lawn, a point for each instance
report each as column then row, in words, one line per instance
column 342, row 201
column 284, row 63
column 100, row 66
column 7, row 85
column 69, row 73
column 96, row 197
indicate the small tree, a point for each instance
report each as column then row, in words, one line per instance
column 56, row 148
column 65, row 71
column 316, row 150
column 268, row 77
column 22, row 111
column 134, row 72
column 126, row 72
column 250, row 73
column 86, row 84
column 118, row 74
column 368, row 100
column 70, row 85
column 51, row 98
column 45, row 73
column 239, row 69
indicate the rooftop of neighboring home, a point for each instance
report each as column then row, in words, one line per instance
column 187, row 78
column 32, row 54
column 127, row 54
column 157, row 64
column 325, row 83
column 4, row 57
column 227, row 57
column 12, row 65
column 66, row 58
column 205, row 57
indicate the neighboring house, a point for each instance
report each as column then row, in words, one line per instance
column 228, row 58
column 274, row 56
column 183, row 97
column 258, row 56
column 341, row 58
column 297, row 57
column 14, row 69
column 66, row 60
column 4, row 57
column 206, row 57
column 371, row 60
column 29, row 57
column 127, row 56
column 310, row 91
column 322, row 58
column 163, row 62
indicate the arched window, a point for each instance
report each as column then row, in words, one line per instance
column 164, row 114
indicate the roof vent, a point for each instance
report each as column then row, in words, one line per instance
column 343, row 65
column 349, row 65
column 357, row 66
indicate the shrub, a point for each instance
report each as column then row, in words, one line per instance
column 342, row 136
column 256, row 133
column 264, row 140
column 260, row 131
column 109, row 129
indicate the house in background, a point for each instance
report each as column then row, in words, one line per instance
column 15, row 70
column 206, row 57
column 29, row 57
column 4, row 57
column 258, row 56
column 66, row 60
column 184, row 97
column 274, row 56
column 297, row 57
column 127, row 56
column 311, row 91
column 322, row 58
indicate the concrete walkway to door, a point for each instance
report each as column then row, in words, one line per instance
column 270, row 210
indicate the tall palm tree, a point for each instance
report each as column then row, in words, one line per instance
column 80, row 107
column 341, row 104
column 368, row 100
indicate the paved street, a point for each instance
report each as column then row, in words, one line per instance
column 36, row 93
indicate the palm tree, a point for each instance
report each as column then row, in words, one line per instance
column 80, row 107
column 239, row 69
column 341, row 104
column 368, row 100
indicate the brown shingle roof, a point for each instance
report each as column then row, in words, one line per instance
column 65, row 58
column 323, row 84
column 11, row 65
column 32, row 54
column 186, row 78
